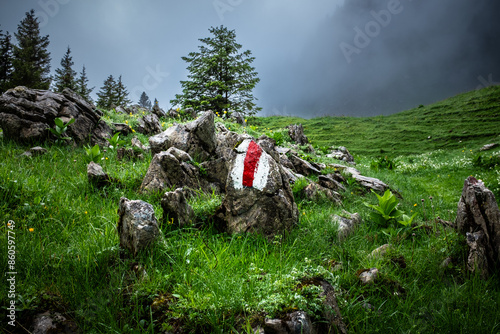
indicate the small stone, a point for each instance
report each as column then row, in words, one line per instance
column 176, row 207
column 488, row 147
column 368, row 276
column 381, row 251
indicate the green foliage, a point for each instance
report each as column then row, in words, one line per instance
column 298, row 188
column 220, row 78
column 93, row 153
column 115, row 141
column 112, row 93
column 386, row 211
column 486, row 160
column 384, row 163
column 6, row 57
column 407, row 220
column 280, row 137
column 31, row 60
column 60, row 129
column 82, row 88
column 145, row 102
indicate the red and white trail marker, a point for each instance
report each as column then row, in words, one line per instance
column 251, row 166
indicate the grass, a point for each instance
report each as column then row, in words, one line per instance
column 199, row 280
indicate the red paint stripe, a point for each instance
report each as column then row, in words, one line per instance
column 250, row 165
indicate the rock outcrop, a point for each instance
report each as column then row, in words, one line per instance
column 341, row 154
column 137, row 225
column 149, row 125
column 478, row 217
column 197, row 138
column 296, row 133
column 27, row 114
column 258, row 195
column 176, row 209
column 97, row 176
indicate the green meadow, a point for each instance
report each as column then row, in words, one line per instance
column 199, row 280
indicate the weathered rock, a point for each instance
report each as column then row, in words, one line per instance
column 96, row 175
column 302, row 166
column 34, row 151
column 341, row 154
column 329, row 181
column 346, row 225
column 149, row 125
column 176, row 208
column 172, row 113
column 27, row 114
column 478, row 216
column 269, row 145
column 134, row 109
column 190, row 112
column 315, row 192
column 196, row 138
column 128, row 153
column 296, row 132
column 166, row 171
column 292, row 176
column 367, row 182
column 136, row 143
column 258, row 195
column 369, row 276
column 158, row 111
column 381, row 251
column 296, row 322
column 121, row 110
column 238, row 118
column 122, row 128
column 53, row 322
column 331, row 313
column 488, row 147
column 137, row 224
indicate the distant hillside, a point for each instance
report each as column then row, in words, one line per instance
column 472, row 118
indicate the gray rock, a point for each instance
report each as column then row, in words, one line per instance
column 367, row 182
column 53, row 322
column 167, row 171
column 128, row 153
column 381, row 251
column 27, row 114
column 292, row 176
column 478, row 217
column 96, row 175
column 238, row 118
column 369, row 276
column 172, row 113
column 190, row 112
column 149, row 125
column 296, row 322
column 488, row 147
column 196, row 138
column 176, row 207
column 257, row 200
column 303, row 167
column 136, row 143
column 137, row 225
column 120, row 110
column 122, row 128
column 158, row 111
column 296, row 132
column 34, row 151
column 341, row 154
column 330, row 182
column 346, row 225
column 315, row 192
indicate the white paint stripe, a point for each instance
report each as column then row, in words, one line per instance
column 262, row 172
column 237, row 171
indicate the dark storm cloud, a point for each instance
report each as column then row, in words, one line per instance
column 312, row 57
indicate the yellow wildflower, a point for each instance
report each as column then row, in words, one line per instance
column 31, row 229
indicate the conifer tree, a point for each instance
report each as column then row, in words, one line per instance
column 121, row 93
column 220, row 78
column 5, row 62
column 144, row 101
column 31, row 60
column 106, row 97
column 65, row 76
column 82, row 88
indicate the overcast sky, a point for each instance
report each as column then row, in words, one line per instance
column 314, row 58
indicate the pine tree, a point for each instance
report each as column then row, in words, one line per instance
column 31, row 60
column 82, row 88
column 144, row 101
column 220, row 77
column 65, row 76
column 5, row 62
column 106, row 97
column 121, row 93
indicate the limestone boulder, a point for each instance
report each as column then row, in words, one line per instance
column 258, row 196
column 149, row 125
column 97, row 176
column 296, row 133
column 478, row 217
column 137, row 225
column 196, row 138
column 27, row 114
column 176, row 208
column 342, row 154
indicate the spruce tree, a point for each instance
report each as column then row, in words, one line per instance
column 5, row 62
column 65, row 76
column 82, row 88
column 144, row 101
column 106, row 97
column 31, row 60
column 121, row 93
column 221, row 78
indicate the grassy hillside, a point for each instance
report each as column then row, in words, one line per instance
column 471, row 118
column 197, row 280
